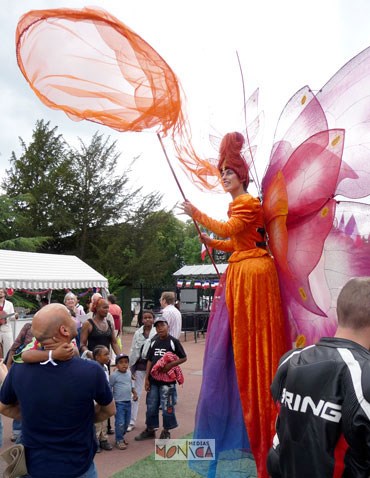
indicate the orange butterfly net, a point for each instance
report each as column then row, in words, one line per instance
column 92, row 66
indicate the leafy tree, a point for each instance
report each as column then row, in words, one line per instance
column 145, row 250
column 191, row 249
column 65, row 194
column 100, row 196
column 41, row 174
column 191, row 246
column 12, row 223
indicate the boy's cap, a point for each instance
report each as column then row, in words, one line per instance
column 121, row 356
column 160, row 319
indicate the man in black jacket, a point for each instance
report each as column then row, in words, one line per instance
column 323, row 395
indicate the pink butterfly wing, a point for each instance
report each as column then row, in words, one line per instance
column 311, row 173
column 307, row 182
column 346, row 254
column 301, row 118
column 343, row 103
column 345, row 100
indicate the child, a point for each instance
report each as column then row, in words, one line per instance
column 101, row 355
column 161, row 393
column 121, row 383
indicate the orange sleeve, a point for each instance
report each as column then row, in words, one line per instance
column 242, row 212
column 226, row 246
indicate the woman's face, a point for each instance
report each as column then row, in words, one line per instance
column 230, row 181
column 70, row 302
column 103, row 309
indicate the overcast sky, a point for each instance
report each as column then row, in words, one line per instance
column 282, row 46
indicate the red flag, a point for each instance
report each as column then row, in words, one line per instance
column 203, row 251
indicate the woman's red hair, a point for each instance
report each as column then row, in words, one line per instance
column 230, row 156
column 96, row 304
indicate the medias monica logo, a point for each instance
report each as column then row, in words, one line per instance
column 183, row 449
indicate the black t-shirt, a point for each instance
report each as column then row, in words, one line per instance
column 159, row 347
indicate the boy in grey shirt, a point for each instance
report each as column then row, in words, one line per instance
column 122, row 388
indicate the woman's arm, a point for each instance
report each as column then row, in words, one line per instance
column 85, row 331
column 240, row 214
column 223, row 229
column 226, row 246
column 120, row 321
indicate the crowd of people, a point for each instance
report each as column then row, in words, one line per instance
column 80, row 378
column 320, row 394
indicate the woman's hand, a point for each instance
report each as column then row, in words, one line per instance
column 205, row 238
column 187, row 208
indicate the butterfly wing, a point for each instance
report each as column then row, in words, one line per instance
column 346, row 101
column 308, row 223
column 346, row 254
column 307, row 182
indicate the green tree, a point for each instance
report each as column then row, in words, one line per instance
column 144, row 250
column 65, row 194
column 100, row 195
column 191, row 246
column 42, row 173
column 12, row 223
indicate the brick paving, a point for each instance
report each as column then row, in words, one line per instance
column 110, row 462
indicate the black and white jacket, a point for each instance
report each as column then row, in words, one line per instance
column 323, row 395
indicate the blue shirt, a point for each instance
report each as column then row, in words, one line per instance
column 57, row 406
column 121, row 384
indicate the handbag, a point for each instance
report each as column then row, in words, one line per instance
column 16, row 459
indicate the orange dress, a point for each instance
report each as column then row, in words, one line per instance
column 256, row 317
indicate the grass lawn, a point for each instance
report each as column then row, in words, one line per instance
column 149, row 467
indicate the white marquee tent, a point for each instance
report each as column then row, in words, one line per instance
column 202, row 270
column 29, row 270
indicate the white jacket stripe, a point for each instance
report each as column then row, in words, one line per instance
column 355, row 371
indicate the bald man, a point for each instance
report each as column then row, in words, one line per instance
column 55, row 401
column 323, row 395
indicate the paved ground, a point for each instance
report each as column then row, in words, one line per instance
column 109, row 462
